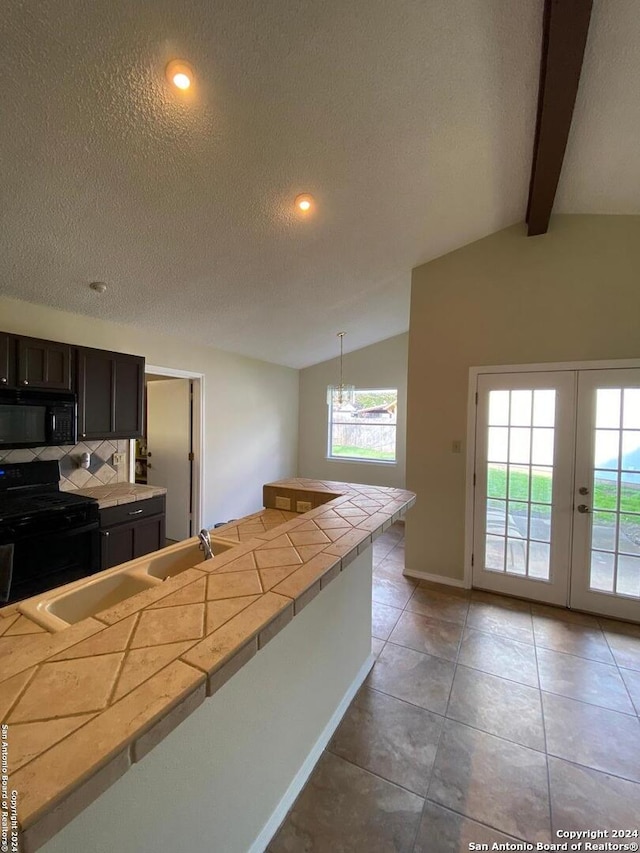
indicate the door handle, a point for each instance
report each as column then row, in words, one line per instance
column 583, row 508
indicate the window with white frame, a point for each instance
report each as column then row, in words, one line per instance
column 366, row 429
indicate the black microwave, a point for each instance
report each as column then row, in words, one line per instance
column 37, row 418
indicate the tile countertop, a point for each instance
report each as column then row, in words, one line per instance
column 120, row 493
column 83, row 704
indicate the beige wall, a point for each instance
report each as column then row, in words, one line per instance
column 382, row 365
column 250, row 406
column 571, row 295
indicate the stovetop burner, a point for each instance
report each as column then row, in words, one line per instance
column 32, row 488
column 13, row 506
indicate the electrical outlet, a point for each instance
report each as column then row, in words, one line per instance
column 303, row 506
column 283, row 503
column 119, row 458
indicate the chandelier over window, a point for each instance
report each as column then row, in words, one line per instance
column 341, row 396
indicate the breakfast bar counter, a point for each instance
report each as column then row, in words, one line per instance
column 81, row 706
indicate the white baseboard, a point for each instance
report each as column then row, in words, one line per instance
column 425, row 576
column 300, row 779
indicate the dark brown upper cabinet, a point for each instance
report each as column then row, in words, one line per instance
column 43, row 364
column 6, row 362
column 110, row 394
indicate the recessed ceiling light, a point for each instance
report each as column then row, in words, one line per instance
column 304, row 203
column 180, row 73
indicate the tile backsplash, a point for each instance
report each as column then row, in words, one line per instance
column 100, row 472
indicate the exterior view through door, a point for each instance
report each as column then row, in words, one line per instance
column 556, row 502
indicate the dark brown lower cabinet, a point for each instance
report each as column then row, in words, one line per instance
column 131, row 530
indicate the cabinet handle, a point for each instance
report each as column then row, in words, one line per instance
column 135, row 512
column 4, row 380
column 25, row 381
column 104, row 533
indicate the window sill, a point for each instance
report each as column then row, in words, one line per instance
column 355, row 459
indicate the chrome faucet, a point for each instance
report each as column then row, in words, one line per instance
column 205, row 544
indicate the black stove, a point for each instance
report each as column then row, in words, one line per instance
column 12, row 506
column 47, row 537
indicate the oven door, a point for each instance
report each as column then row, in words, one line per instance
column 50, row 560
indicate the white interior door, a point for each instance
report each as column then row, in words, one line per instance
column 606, row 542
column 523, row 484
column 168, row 446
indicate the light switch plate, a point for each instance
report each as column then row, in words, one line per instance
column 282, row 502
column 119, row 458
column 303, row 506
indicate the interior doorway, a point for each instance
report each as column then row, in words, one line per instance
column 171, row 453
column 556, row 491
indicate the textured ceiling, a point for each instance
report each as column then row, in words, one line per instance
column 410, row 121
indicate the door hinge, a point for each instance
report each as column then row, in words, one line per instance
column 474, row 479
column 476, row 398
column 472, row 559
column 192, row 456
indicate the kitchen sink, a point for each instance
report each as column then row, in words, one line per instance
column 91, row 598
column 178, row 558
column 66, row 605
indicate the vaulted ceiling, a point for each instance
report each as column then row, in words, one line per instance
column 410, row 121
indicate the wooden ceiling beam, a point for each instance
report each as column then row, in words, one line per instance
column 564, row 36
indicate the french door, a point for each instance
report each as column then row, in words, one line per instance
column 557, row 488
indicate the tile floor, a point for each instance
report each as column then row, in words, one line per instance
column 485, row 719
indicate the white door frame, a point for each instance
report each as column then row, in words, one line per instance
column 198, row 435
column 474, row 372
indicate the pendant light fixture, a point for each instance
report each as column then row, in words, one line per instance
column 341, row 396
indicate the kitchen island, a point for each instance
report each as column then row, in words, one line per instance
column 256, row 652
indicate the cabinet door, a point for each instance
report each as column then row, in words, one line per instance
column 5, row 361
column 148, row 535
column 129, row 396
column 116, row 545
column 124, row 542
column 44, row 364
column 110, row 394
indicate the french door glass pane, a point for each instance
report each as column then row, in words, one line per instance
column 628, row 581
column 499, row 408
column 497, row 481
column 520, row 447
column 519, row 482
column 607, row 448
column 615, row 528
column 544, row 408
column 603, row 532
column 494, row 553
column 539, row 556
column 608, row 408
column 496, row 516
column 631, row 408
column 605, row 490
column 602, row 571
